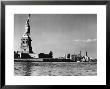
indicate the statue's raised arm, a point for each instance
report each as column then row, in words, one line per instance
column 27, row 27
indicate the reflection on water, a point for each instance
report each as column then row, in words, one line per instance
column 54, row 69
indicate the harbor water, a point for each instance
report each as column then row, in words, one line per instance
column 55, row 69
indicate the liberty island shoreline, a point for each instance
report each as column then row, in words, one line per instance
column 49, row 60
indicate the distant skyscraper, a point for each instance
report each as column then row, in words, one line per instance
column 86, row 54
column 26, row 39
column 80, row 53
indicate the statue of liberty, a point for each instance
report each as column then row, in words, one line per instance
column 26, row 39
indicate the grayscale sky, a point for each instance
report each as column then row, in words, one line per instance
column 60, row 33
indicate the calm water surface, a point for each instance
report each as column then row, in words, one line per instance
column 54, row 69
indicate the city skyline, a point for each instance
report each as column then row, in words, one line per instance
column 59, row 33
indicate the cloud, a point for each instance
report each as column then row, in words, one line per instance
column 85, row 41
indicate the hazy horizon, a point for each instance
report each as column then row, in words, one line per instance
column 59, row 33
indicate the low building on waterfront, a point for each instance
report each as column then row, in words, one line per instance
column 16, row 55
column 43, row 55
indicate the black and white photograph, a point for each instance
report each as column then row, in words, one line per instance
column 55, row 45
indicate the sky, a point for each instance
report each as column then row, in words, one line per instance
column 60, row 33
